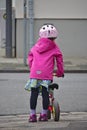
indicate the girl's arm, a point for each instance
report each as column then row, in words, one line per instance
column 30, row 59
column 60, row 63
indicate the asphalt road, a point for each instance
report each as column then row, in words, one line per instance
column 72, row 93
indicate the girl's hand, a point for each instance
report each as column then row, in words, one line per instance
column 54, row 74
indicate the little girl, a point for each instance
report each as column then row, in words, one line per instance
column 41, row 60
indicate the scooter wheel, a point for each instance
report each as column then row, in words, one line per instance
column 56, row 111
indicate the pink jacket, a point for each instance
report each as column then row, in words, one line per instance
column 41, row 60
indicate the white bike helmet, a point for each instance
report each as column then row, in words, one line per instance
column 48, row 31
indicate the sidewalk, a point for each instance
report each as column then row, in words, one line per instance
column 68, row 121
column 17, row 65
column 13, row 65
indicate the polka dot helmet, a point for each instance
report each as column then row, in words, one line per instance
column 48, row 31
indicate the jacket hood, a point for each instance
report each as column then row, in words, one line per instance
column 44, row 45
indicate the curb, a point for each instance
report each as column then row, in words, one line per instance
column 14, row 71
column 27, row 71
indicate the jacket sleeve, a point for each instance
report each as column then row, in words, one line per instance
column 60, row 63
column 30, row 59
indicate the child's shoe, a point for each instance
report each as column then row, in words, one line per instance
column 43, row 117
column 33, row 118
